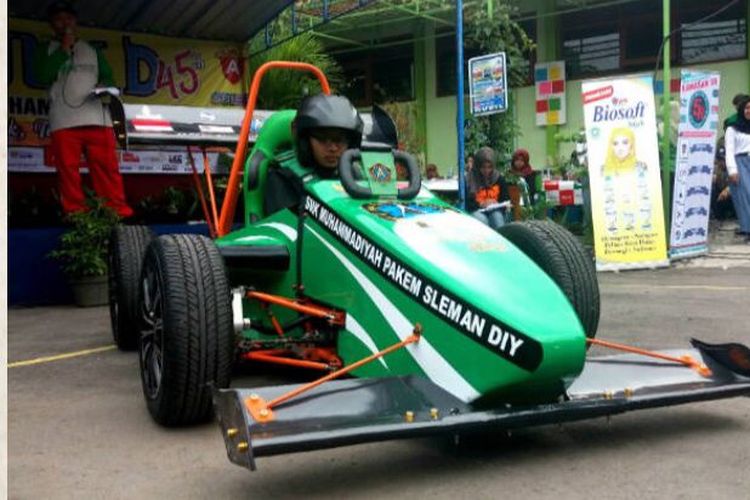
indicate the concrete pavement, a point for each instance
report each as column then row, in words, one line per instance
column 78, row 427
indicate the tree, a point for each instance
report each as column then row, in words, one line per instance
column 282, row 88
column 489, row 34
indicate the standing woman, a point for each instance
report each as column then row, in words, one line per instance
column 737, row 144
column 487, row 190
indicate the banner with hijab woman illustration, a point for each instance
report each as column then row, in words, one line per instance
column 626, row 202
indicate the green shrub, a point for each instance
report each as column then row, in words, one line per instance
column 83, row 247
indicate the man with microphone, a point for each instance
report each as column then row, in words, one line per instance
column 79, row 121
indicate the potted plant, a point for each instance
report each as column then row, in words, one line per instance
column 83, row 252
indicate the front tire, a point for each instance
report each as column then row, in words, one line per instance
column 127, row 246
column 186, row 337
column 564, row 259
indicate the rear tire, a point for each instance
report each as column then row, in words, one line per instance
column 564, row 259
column 127, row 246
column 186, row 336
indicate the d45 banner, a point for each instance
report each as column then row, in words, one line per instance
column 149, row 69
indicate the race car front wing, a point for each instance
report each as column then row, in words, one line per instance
column 352, row 411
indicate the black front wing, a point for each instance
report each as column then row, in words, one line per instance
column 353, row 411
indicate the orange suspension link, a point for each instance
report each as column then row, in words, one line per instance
column 280, row 360
column 333, row 316
column 261, row 410
column 686, row 360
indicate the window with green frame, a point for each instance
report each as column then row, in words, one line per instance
column 627, row 37
column 380, row 75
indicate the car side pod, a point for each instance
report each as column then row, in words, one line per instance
column 345, row 412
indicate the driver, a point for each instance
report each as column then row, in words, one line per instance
column 325, row 126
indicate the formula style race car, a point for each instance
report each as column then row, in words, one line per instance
column 422, row 319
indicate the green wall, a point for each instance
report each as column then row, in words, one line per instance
column 440, row 112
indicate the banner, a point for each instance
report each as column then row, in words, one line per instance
column 626, row 201
column 149, row 69
column 696, row 140
column 549, row 79
column 488, row 84
column 133, row 161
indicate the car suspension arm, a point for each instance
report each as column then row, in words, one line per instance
column 261, row 410
column 686, row 360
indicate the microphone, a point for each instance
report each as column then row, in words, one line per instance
column 68, row 33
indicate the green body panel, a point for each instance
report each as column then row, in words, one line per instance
column 391, row 264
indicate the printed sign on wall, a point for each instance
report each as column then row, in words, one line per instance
column 626, row 202
column 550, row 93
column 488, row 85
column 696, row 139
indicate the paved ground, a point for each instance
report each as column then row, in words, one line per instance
column 78, row 427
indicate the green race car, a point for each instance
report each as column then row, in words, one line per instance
column 444, row 324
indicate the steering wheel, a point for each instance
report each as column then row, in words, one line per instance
column 357, row 190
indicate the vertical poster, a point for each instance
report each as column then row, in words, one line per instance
column 488, row 85
column 626, row 202
column 696, row 140
column 549, row 80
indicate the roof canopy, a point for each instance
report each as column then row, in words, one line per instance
column 231, row 20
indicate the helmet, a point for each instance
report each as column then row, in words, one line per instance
column 325, row 111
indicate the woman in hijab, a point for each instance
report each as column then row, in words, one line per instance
column 627, row 204
column 737, row 145
column 519, row 165
column 487, row 190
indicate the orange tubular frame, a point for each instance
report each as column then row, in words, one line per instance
column 210, row 184
column 199, row 189
column 230, row 197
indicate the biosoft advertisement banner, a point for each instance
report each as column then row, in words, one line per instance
column 696, row 140
column 626, row 201
column 149, row 69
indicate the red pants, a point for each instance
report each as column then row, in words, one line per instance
column 98, row 144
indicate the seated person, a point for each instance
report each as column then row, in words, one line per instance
column 519, row 165
column 431, row 172
column 487, row 189
column 325, row 126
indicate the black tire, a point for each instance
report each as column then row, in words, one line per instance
column 186, row 336
column 564, row 259
column 127, row 246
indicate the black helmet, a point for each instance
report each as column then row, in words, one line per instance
column 325, row 111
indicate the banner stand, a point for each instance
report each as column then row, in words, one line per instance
column 623, row 152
